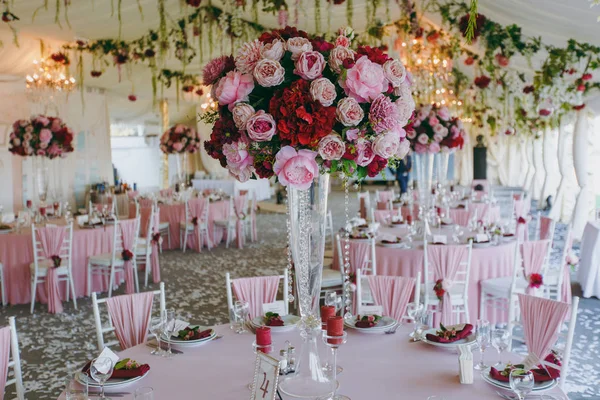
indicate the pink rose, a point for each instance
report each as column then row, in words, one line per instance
column 444, row 114
column 297, row 46
column 296, row 168
column 420, row 148
column 332, row 147
column 349, row 112
column 261, row 126
column 241, row 112
column 42, row 120
column 45, row 135
column 395, row 72
column 233, row 88
column 423, row 138
column 179, row 129
column 337, row 56
column 342, row 41
column 364, row 152
column 323, row 91
column 310, row 65
column 434, row 147
column 455, row 131
column 274, row 50
column 411, row 134
column 269, row 73
column 16, row 141
column 386, row 145
column 236, row 154
column 441, row 130
column 56, row 125
column 438, row 138
column 352, row 134
column 403, row 149
column 364, row 81
column 178, row 146
column 433, row 121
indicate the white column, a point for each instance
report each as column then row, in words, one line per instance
column 550, row 161
column 538, row 176
column 580, row 161
column 557, row 208
column 528, row 184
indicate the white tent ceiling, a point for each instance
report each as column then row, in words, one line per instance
column 555, row 20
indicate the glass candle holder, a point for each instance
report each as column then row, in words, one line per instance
column 334, row 342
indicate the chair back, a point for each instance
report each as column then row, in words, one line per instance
column 145, row 239
column 127, row 316
column 49, row 241
column 546, row 227
column 256, row 291
column 240, row 206
column 391, row 292
column 364, row 203
column 384, row 196
column 361, row 255
column 10, row 358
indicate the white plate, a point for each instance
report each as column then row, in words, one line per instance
column 485, row 374
column 482, row 245
column 289, row 323
column 179, row 342
column 111, row 383
column 398, row 245
column 384, row 324
column 468, row 340
column 4, row 231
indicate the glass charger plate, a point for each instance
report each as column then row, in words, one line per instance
column 289, row 323
column 485, row 374
column 384, row 324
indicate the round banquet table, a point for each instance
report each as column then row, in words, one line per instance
column 458, row 215
column 376, row 366
column 486, row 262
column 16, row 254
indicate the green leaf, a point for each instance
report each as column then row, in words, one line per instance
column 442, row 327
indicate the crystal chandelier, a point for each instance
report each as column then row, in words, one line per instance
column 49, row 80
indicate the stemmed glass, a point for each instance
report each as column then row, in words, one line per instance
column 521, row 382
column 334, row 342
column 332, row 299
column 101, row 370
column 500, row 341
column 169, row 328
column 413, row 310
column 483, row 340
column 156, row 328
column 143, row 393
column 241, row 311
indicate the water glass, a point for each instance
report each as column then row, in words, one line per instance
column 424, row 322
column 143, row 393
column 75, row 390
column 101, row 370
column 483, row 340
column 241, row 311
column 521, row 382
column 412, row 310
column 169, row 328
column 500, row 341
column 156, row 328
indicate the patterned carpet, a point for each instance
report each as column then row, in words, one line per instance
column 52, row 346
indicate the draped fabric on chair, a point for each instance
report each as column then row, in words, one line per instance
column 239, row 203
column 533, row 254
column 386, row 196
column 392, row 293
column 166, row 192
column 130, row 315
column 566, row 295
column 155, row 249
column 196, row 210
column 145, row 213
column 545, row 224
column 256, row 291
column 359, row 254
column 541, row 319
column 383, row 205
column 51, row 239
column 522, row 208
column 384, row 216
column 4, row 357
column 132, row 194
column 128, row 236
column 253, row 217
column 445, row 261
column 145, row 202
column 363, row 208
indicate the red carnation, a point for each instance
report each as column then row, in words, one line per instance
column 95, row 74
column 528, row 89
column 586, row 77
column 374, row 54
column 376, row 166
column 482, row 81
column 480, row 20
column 469, row 60
column 320, row 44
column 579, row 107
column 536, row 280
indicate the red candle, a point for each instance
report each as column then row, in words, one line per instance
column 335, row 327
column 409, row 219
column 326, row 313
column 29, row 203
column 263, row 338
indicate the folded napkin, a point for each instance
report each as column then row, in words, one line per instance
column 275, row 322
column 121, row 373
column 201, row 335
column 540, row 374
column 460, row 334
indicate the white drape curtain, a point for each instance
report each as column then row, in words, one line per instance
column 581, row 150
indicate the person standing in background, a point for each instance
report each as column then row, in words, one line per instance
column 404, row 167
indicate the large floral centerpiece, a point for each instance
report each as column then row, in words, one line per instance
column 41, row 136
column 434, row 129
column 291, row 105
column 180, row 139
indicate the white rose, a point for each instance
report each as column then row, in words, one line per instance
column 395, row 72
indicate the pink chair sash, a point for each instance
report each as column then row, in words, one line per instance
column 145, row 213
column 383, row 205
column 238, row 206
column 545, row 224
column 132, row 194
column 4, row 357
column 128, row 234
column 533, row 254
column 384, row 216
column 145, row 202
column 166, row 192
column 392, row 293
column 253, row 217
column 155, row 250
column 130, row 316
column 256, row 291
column 385, row 196
column 541, row 320
column 445, row 261
column 51, row 239
column 359, row 254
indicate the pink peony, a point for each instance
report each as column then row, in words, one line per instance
column 395, row 72
column 342, row 41
column 323, row 91
column 386, row 145
column 56, row 125
column 178, row 146
column 179, row 128
column 45, row 135
column 383, row 114
column 297, row 46
column 433, row 121
column 403, row 149
column 364, row 81
column 261, row 126
column 42, row 120
column 216, row 68
column 233, row 88
column 352, row 134
column 296, row 169
column 423, row 138
column 332, row 147
column 241, row 112
column 274, row 50
column 434, row 147
column 337, row 57
column 349, row 112
column 269, row 73
column 444, row 114
column 364, row 152
column 310, row 65
column 248, row 55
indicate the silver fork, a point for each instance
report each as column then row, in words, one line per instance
column 393, row 329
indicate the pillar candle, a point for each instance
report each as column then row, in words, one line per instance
column 326, row 312
column 335, row 327
column 263, row 338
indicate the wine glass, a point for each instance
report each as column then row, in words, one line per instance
column 521, row 382
column 156, row 328
column 241, row 311
column 500, row 341
column 413, row 309
column 143, row 393
column 169, row 328
column 332, row 299
column 483, row 340
column 101, row 370
column 424, row 322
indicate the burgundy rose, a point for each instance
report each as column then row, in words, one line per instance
column 528, row 89
column 127, row 255
column 376, row 166
column 320, row 44
column 469, row 60
column 95, row 73
column 482, row 81
column 480, row 21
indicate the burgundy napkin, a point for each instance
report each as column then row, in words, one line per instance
column 365, row 324
column 275, row 322
column 121, row 373
column 460, row 206
column 466, row 331
column 201, row 335
column 539, row 374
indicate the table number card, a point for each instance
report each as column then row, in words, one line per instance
column 266, row 377
column 275, row 307
column 371, row 310
column 439, row 239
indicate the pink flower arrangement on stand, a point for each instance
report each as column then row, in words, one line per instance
column 41, row 136
column 434, row 129
column 295, row 105
column 180, row 139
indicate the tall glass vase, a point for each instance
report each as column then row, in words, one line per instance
column 425, row 172
column 41, row 177
column 307, row 213
column 442, row 167
column 181, row 162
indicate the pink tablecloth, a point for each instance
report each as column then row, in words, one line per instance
column 458, row 215
column 382, row 367
column 16, row 253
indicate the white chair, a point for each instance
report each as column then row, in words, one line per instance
column 188, row 228
column 284, row 278
column 101, row 331
column 3, row 285
column 163, row 227
column 459, row 291
column 551, row 228
column 143, row 247
column 108, row 264
column 365, row 198
column 565, row 337
column 250, row 218
column 332, row 279
column 14, row 362
column 368, row 267
column 228, row 223
column 39, row 267
column 554, row 277
column 329, row 226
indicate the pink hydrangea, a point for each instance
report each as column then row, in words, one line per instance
column 233, row 88
column 364, row 81
column 383, row 114
column 296, row 169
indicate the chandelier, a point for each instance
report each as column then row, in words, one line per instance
column 50, row 78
